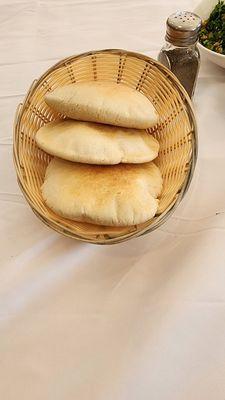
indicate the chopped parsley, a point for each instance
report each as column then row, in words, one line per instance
column 212, row 33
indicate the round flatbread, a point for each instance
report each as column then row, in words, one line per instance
column 104, row 102
column 92, row 143
column 120, row 195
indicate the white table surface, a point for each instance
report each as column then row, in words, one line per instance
column 140, row 320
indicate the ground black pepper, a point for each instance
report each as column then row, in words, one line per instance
column 184, row 63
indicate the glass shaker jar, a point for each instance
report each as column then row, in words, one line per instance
column 180, row 53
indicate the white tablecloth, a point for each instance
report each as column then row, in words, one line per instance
column 140, row 320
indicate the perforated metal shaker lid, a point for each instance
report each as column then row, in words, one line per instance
column 183, row 28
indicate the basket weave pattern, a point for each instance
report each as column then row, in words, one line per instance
column 176, row 133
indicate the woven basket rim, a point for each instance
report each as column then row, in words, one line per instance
column 158, row 219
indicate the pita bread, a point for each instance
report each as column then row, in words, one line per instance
column 92, row 143
column 104, row 102
column 120, row 195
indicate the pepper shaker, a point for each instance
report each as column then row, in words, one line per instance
column 180, row 53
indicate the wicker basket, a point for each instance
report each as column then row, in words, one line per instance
column 176, row 133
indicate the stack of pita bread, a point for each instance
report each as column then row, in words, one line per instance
column 102, row 171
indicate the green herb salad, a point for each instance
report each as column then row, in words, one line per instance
column 212, row 33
